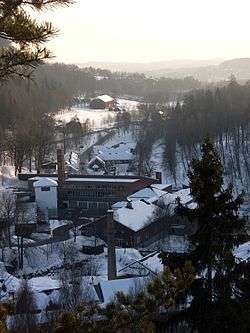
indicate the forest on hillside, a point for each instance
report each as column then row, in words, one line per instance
column 223, row 114
column 27, row 106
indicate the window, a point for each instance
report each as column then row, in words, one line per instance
column 45, row 189
column 103, row 205
column 92, row 205
column 82, row 204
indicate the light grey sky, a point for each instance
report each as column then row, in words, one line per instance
column 147, row 30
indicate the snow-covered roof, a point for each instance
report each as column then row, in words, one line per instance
column 54, row 224
column 170, row 198
column 137, row 217
column 119, row 204
column 44, row 181
column 105, row 98
column 144, row 203
column 162, row 187
column 111, row 287
column 153, row 263
column 94, row 160
column 242, row 253
column 149, row 264
column 43, row 283
column 119, row 151
column 149, row 194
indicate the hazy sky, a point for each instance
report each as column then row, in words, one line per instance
column 147, row 30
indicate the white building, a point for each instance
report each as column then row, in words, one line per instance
column 46, row 193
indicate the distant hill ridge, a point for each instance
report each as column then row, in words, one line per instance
column 203, row 70
column 150, row 66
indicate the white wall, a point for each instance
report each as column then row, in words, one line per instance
column 46, row 199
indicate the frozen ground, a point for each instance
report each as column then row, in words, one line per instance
column 98, row 118
column 43, row 258
column 8, row 178
column 120, row 136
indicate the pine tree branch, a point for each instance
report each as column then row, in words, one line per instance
column 25, row 34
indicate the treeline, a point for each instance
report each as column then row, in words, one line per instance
column 27, row 125
column 150, row 90
column 222, row 113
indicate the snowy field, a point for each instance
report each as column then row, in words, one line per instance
column 98, row 118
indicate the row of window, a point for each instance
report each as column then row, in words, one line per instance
column 92, row 194
column 92, row 205
column 99, row 187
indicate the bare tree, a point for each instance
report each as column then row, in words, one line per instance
column 70, row 292
column 8, row 211
column 24, row 319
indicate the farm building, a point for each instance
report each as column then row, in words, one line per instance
column 139, row 222
column 103, row 102
column 88, row 195
column 120, row 153
column 114, row 158
column 93, row 195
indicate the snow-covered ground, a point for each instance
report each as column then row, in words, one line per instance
column 127, row 104
column 160, row 165
column 98, row 118
column 50, row 258
column 8, row 178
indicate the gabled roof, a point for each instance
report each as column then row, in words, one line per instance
column 149, row 194
column 242, row 252
column 94, row 160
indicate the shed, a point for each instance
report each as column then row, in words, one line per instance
column 102, row 102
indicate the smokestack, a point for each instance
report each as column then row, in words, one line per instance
column 60, row 166
column 158, row 176
column 111, row 246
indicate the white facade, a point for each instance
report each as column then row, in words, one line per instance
column 46, row 194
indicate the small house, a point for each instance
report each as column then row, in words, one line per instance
column 103, row 102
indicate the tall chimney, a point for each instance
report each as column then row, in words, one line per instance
column 111, row 246
column 60, row 166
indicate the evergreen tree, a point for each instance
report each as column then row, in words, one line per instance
column 139, row 310
column 28, row 36
column 219, row 229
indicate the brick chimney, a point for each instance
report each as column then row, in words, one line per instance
column 60, row 166
column 111, row 246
